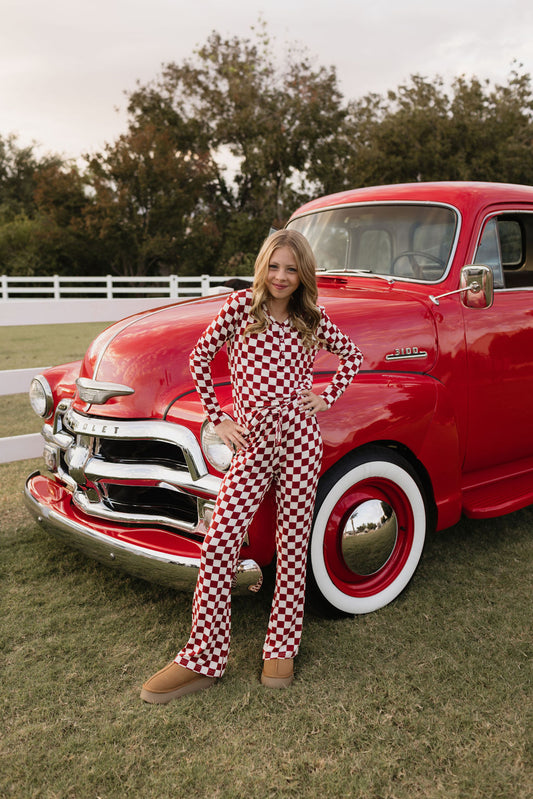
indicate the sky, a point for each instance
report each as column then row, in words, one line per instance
column 66, row 65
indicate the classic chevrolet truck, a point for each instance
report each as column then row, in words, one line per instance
column 434, row 282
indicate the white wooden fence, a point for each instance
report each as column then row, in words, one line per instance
column 110, row 287
column 22, row 303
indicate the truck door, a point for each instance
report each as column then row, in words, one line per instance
column 499, row 342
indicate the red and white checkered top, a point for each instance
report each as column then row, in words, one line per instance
column 269, row 368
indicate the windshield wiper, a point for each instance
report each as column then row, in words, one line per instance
column 363, row 272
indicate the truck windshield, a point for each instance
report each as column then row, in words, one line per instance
column 405, row 241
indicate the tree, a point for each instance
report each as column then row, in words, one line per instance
column 274, row 123
column 41, row 206
column 492, row 134
column 149, row 195
column 423, row 132
column 18, row 169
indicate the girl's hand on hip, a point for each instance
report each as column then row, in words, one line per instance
column 312, row 403
column 232, row 434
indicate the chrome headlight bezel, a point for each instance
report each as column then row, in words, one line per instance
column 214, row 449
column 41, row 397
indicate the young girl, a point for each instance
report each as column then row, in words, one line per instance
column 273, row 332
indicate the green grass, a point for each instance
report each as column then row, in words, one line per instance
column 37, row 345
column 25, row 346
column 428, row 697
column 17, row 416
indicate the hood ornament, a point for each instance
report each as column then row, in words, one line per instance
column 97, row 393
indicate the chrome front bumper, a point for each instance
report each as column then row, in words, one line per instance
column 176, row 571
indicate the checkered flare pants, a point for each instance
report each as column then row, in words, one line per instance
column 284, row 447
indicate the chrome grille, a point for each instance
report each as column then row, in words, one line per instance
column 133, row 472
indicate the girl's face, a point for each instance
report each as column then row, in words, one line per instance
column 282, row 278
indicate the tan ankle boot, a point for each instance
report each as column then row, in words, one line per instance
column 278, row 673
column 171, row 682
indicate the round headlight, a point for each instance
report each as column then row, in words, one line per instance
column 41, row 399
column 216, row 452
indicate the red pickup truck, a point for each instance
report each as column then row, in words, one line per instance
column 434, row 282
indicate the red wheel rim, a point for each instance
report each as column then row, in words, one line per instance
column 347, row 580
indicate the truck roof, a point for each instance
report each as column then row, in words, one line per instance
column 456, row 193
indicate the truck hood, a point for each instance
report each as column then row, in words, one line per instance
column 149, row 352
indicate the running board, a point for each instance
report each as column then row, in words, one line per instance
column 499, row 490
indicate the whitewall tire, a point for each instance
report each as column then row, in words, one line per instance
column 368, row 532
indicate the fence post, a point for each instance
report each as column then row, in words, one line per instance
column 205, row 285
column 5, row 291
column 173, row 286
column 57, row 288
column 109, row 286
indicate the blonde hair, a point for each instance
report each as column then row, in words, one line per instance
column 303, row 310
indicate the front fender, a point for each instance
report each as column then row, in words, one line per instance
column 62, row 380
column 412, row 411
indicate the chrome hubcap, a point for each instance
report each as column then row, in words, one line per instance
column 369, row 537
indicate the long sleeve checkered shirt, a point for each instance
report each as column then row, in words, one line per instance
column 269, row 368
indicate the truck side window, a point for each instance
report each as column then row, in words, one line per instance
column 511, row 243
column 516, row 234
column 489, row 253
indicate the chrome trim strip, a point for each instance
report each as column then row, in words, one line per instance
column 392, row 356
column 206, row 487
column 175, row 571
column 150, row 429
column 100, row 511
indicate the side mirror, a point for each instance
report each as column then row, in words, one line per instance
column 477, row 286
